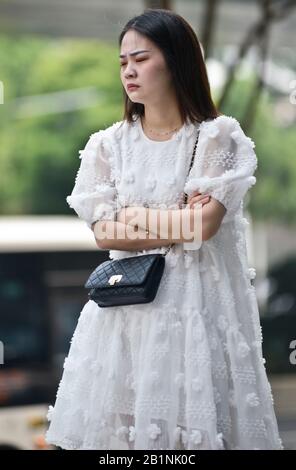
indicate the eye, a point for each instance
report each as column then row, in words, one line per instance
column 139, row 60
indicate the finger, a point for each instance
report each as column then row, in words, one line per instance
column 199, row 198
column 202, row 201
column 196, row 198
column 206, row 200
column 195, row 193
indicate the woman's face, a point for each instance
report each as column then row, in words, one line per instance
column 146, row 69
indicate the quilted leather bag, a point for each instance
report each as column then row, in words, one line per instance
column 132, row 280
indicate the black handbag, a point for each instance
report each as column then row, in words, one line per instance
column 132, row 280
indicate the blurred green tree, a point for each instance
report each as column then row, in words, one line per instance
column 39, row 152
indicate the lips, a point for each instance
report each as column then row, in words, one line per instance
column 131, row 87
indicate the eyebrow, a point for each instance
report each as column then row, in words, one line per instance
column 134, row 53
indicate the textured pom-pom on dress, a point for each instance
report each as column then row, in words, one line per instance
column 185, row 371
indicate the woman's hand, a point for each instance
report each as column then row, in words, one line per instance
column 197, row 197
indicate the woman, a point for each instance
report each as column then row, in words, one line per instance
column 186, row 370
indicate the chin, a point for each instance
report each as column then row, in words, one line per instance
column 136, row 101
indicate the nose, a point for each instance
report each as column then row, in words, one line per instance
column 129, row 72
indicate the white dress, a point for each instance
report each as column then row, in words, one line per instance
column 185, row 371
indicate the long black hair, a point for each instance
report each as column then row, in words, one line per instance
column 183, row 55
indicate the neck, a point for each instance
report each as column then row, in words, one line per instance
column 161, row 120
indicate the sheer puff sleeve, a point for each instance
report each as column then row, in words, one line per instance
column 224, row 165
column 94, row 194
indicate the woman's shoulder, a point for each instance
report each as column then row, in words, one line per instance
column 114, row 131
column 220, row 123
column 225, row 128
column 101, row 139
column 108, row 132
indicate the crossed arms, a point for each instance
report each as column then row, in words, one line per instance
column 143, row 234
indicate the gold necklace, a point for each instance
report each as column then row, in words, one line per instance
column 163, row 133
